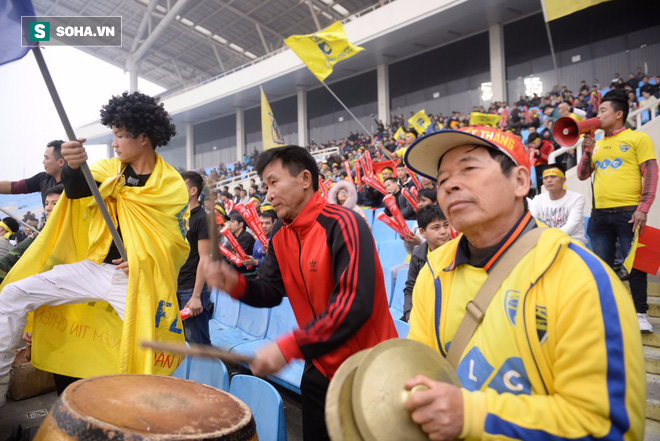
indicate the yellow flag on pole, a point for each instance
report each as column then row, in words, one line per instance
column 322, row 50
column 399, row 135
column 420, row 121
column 484, row 119
column 270, row 131
column 554, row 9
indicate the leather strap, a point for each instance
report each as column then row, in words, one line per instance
column 476, row 308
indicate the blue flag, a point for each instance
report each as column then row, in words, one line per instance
column 10, row 29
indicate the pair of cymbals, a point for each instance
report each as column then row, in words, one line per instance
column 366, row 396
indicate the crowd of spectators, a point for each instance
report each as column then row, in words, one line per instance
column 526, row 116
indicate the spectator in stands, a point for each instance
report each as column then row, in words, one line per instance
column 633, row 81
column 244, row 196
column 435, row 230
column 8, row 226
column 42, row 182
column 515, row 387
column 343, row 193
column 312, row 261
column 386, row 173
column 393, row 188
column 426, row 183
column 647, row 98
column 237, row 194
column 559, row 208
column 238, row 228
column 624, row 184
column 267, row 219
column 227, row 201
column 9, row 260
column 192, row 291
column 539, row 152
column 647, row 86
column 404, row 180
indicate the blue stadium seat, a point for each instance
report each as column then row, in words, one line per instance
column 209, row 371
column 265, row 403
column 402, row 328
column 252, row 325
column 280, row 322
column 411, row 224
column 183, row 369
column 290, row 376
column 381, row 232
column 396, row 305
column 225, row 313
column 369, row 213
column 524, row 133
column 392, row 253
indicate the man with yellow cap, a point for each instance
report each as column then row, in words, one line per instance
column 559, row 207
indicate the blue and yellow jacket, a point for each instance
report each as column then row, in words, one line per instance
column 558, row 354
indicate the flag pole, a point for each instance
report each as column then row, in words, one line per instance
column 373, row 141
column 72, row 137
column 552, row 48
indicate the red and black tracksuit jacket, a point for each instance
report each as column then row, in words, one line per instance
column 325, row 261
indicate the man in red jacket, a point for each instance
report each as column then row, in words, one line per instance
column 324, row 259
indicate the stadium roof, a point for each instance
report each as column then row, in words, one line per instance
column 185, row 42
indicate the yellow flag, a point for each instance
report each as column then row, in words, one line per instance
column 270, row 131
column 554, row 9
column 322, row 50
column 400, row 134
column 484, row 119
column 89, row 339
column 420, row 121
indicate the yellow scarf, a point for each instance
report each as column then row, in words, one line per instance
column 89, row 339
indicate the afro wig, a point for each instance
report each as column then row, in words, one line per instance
column 138, row 113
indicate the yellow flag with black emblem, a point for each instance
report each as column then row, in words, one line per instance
column 322, row 50
column 420, row 121
column 484, row 119
column 270, row 131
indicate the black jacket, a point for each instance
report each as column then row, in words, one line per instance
column 417, row 261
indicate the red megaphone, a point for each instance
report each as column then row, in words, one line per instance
column 567, row 131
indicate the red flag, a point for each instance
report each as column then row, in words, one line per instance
column 645, row 252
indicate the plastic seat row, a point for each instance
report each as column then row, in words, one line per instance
column 243, row 329
column 239, row 328
column 261, row 397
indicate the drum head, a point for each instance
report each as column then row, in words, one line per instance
column 158, row 407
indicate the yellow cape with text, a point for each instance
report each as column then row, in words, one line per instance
column 90, row 339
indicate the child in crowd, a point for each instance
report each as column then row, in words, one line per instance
column 434, row 227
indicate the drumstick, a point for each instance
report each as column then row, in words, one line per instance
column 213, row 236
column 196, row 350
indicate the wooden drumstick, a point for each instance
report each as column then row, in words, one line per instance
column 197, row 350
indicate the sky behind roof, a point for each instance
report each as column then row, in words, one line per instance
column 28, row 117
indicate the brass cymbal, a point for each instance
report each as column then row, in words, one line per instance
column 338, row 402
column 379, row 393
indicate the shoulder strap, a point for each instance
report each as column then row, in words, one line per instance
column 476, row 309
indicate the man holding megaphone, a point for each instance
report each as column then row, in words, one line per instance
column 625, row 176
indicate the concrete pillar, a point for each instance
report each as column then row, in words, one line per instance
column 240, row 133
column 383, row 80
column 303, row 135
column 497, row 63
column 190, row 146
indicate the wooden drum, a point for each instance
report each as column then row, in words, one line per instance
column 146, row 407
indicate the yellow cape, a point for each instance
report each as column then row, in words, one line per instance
column 90, row 339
